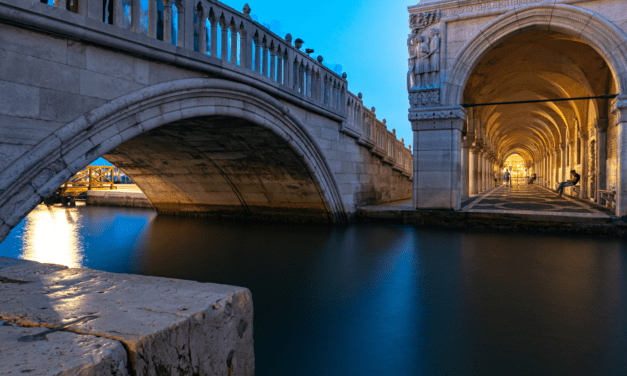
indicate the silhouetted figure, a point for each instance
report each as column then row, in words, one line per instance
column 574, row 179
column 533, row 178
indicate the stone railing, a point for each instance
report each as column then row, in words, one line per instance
column 243, row 45
column 219, row 31
column 362, row 124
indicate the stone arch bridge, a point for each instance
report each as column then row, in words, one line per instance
column 542, row 79
column 206, row 110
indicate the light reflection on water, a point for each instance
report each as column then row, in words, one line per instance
column 52, row 236
column 374, row 299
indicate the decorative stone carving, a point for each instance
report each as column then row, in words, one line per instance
column 420, row 21
column 424, row 98
column 453, row 113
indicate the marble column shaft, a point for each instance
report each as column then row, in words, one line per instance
column 619, row 109
column 473, row 171
column 601, row 157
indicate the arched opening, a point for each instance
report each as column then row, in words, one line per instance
column 531, row 69
column 195, row 146
column 541, row 63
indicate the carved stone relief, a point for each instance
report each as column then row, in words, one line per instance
column 424, row 98
column 423, row 45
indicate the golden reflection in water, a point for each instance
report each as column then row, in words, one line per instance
column 51, row 236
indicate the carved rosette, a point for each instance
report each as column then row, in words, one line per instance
column 424, row 98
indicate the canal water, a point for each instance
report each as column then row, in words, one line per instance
column 374, row 299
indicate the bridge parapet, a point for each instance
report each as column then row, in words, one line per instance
column 363, row 125
column 234, row 38
column 216, row 38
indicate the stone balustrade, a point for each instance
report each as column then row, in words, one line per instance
column 245, row 46
column 362, row 124
column 217, row 30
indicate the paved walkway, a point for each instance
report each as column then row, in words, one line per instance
column 532, row 199
column 520, row 199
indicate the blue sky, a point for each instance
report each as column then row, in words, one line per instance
column 368, row 38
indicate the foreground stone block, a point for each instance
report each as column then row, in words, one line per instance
column 168, row 327
column 60, row 354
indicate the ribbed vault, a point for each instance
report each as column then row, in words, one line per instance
column 536, row 65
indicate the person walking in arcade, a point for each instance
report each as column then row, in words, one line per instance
column 574, row 179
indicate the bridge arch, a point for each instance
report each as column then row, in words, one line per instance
column 599, row 33
column 53, row 161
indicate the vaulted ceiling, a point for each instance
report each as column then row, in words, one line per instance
column 537, row 65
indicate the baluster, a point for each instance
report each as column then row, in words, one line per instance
column 135, row 16
column 264, row 57
column 245, row 47
column 272, row 62
column 82, row 7
column 309, row 80
column 301, row 78
column 180, row 36
column 279, row 68
column 153, row 18
column 201, row 14
column 233, row 29
column 213, row 23
column 167, row 21
column 286, row 68
column 224, row 40
column 257, row 53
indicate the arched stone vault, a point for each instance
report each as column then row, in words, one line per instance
column 160, row 116
column 525, row 56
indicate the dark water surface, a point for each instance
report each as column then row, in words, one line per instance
column 374, row 299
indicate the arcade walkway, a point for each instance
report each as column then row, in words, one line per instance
column 522, row 207
column 532, row 199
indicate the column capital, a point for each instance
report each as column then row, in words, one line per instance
column 619, row 108
column 601, row 125
column 563, row 146
column 438, row 118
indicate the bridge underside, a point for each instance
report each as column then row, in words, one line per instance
column 220, row 166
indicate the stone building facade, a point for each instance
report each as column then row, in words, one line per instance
column 561, row 65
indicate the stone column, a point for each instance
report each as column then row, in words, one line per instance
column 619, row 109
column 466, row 175
column 583, row 184
column 473, row 172
column 437, row 156
column 481, row 170
column 563, row 163
column 556, row 176
column 601, row 157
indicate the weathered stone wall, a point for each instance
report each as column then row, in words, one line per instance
column 363, row 178
column 47, row 81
